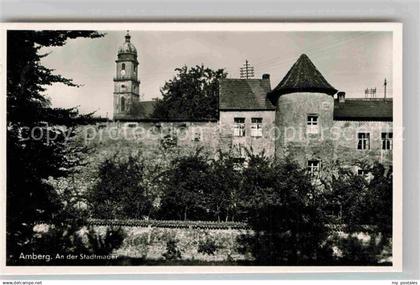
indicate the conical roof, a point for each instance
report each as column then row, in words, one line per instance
column 303, row 77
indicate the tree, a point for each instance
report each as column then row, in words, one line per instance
column 36, row 148
column 282, row 206
column 226, row 183
column 365, row 199
column 366, row 202
column 348, row 190
column 187, row 186
column 379, row 199
column 192, row 94
column 120, row 192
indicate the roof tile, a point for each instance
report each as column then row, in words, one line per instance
column 363, row 110
column 245, row 94
column 303, row 76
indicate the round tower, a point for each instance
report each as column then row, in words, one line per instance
column 126, row 83
column 304, row 114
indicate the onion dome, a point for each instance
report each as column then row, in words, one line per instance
column 127, row 47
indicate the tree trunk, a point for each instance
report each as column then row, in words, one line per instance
column 185, row 213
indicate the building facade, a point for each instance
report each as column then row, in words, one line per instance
column 303, row 117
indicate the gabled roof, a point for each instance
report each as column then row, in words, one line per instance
column 244, row 94
column 303, row 77
column 363, row 110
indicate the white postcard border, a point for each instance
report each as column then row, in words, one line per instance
column 396, row 28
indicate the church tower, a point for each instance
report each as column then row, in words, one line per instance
column 126, row 83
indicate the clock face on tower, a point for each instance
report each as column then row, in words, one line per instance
column 123, row 72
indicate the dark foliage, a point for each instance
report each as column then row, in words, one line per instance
column 172, row 250
column 192, row 94
column 365, row 199
column 32, row 159
column 197, row 188
column 358, row 252
column 75, row 242
column 187, row 187
column 104, row 245
column 226, row 186
column 207, row 247
column 168, row 141
column 284, row 209
column 119, row 192
column 366, row 207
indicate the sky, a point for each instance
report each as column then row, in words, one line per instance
column 350, row 61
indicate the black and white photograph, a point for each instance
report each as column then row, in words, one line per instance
column 203, row 146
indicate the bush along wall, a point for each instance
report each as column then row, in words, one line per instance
column 199, row 246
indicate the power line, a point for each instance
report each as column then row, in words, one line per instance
column 314, row 51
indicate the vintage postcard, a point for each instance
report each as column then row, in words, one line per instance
column 201, row 147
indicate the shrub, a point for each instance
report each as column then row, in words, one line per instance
column 105, row 244
column 187, row 188
column 207, row 247
column 119, row 192
column 172, row 251
column 284, row 209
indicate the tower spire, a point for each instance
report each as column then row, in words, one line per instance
column 127, row 36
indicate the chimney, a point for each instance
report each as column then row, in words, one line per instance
column 341, row 97
column 266, row 76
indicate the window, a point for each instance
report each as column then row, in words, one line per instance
column 123, row 88
column 363, row 141
column 386, row 141
column 256, row 127
column 123, row 69
column 122, row 104
column 313, row 167
column 239, row 127
column 312, row 124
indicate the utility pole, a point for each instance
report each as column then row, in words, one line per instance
column 247, row 71
column 385, row 89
